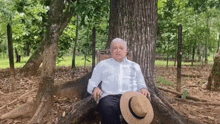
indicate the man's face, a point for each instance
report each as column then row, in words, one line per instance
column 119, row 51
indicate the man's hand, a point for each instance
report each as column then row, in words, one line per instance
column 145, row 93
column 97, row 93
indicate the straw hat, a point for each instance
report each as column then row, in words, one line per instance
column 136, row 108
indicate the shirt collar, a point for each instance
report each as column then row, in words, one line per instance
column 124, row 60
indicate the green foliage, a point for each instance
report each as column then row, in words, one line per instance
column 200, row 27
column 185, row 94
column 163, row 81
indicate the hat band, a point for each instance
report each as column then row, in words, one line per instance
column 132, row 112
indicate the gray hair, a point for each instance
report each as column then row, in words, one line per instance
column 118, row 40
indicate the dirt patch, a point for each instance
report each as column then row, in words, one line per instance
column 195, row 84
column 193, row 81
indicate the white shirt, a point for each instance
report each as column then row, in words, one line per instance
column 117, row 78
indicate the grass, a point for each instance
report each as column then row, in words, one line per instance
column 66, row 61
column 171, row 63
column 163, row 81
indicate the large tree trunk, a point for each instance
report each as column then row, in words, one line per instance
column 11, row 57
column 136, row 22
column 33, row 63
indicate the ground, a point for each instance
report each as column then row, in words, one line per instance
column 194, row 81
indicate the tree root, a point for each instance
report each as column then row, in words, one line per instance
column 17, row 99
column 40, row 112
column 198, row 103
column 180, row 94
column 26, row 110
column 79, row 111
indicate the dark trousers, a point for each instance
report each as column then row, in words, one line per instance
column 109, row 109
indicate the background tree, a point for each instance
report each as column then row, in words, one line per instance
column 8, row 17
column 215, row 73
column 60, row 13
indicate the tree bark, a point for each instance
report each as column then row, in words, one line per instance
column 179, row 58
column 33, row 63
column 28, row 49
column 214, row 76
column 58, row 17
column 136, row 22
column 93, row 46
column 18, row 56
column 75, row 43
column 11, row 57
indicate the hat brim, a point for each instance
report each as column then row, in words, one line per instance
column 127, row 115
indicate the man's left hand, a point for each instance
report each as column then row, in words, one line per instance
column 145, row 93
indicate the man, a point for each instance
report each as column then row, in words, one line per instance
column 118, row 75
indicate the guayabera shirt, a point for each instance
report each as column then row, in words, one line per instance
column 117, row 78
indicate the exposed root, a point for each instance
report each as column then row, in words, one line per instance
column 198, row 103
column 17, row 99
column 41, row 111
column 180, row 94
column 26, row 110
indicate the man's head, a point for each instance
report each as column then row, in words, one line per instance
column 118, row 49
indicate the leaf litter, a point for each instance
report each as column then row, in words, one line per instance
column 195, row 85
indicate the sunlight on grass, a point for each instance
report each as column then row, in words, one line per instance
column 66, row 61
column 5, row 62
column 171, row 63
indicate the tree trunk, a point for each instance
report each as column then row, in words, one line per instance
column 218, row 44
column 215, row 73
column 28, row 49
column 18, row 56
column 11, row 57
column 168, row 49
column 207, row 40
column 93, row 46
column 136, row 22
column 113, row 24
column 33, row 63
column 58, row 17
column 193, row 54
column 75, row 43
column 179, row 59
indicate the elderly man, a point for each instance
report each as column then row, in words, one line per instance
column 118, row 75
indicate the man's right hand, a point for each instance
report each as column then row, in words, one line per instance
column 97, row 93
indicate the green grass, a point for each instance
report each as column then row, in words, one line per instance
column 171, row 63
column 162, row 81
column 66, row 61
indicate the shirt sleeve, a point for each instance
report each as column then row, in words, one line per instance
column 95, row 79
column 140, row 79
